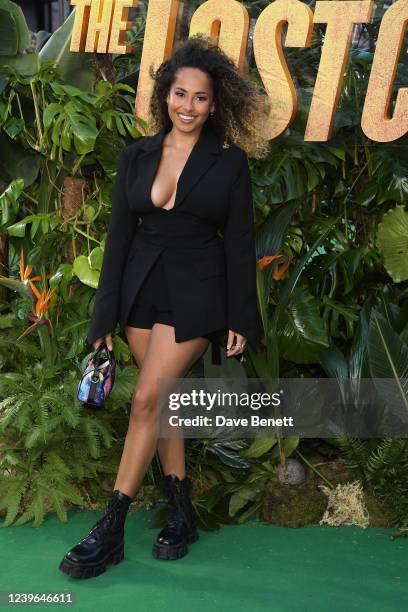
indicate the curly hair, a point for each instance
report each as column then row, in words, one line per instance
column 241, row 107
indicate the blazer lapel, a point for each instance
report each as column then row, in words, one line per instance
column 203, row 155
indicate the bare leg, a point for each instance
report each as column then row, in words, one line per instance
column 158, row 355
column 171, row 450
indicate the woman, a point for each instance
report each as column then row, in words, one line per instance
column 168, row 277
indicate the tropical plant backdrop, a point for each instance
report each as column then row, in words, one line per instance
column 332, row 248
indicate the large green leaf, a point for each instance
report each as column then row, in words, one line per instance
column 334, row 363
column 270, row 235
column 14, row 40
column 259, row 447
column 45, row 221
column 288, row 446
column 392, row 240
column 295, row 275
column 242, row 497
column 16, row 162
column 388, row 354
column 335, row 314
column 76, row 68
column 82, row 269
column 388, row 357
column 9, row 204
column 96, row 258
column 27, row 64
column 227, row 453
column 71, row 123
column 301, row 331
column 390, row 171
column 262, row 290
column 358, row 359
column 14, row 32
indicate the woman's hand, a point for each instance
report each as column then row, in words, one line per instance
column 235, row 343
column 108, row 340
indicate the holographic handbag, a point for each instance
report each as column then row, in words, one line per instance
column 97, row 380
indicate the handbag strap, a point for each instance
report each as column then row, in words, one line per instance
column 103, row 346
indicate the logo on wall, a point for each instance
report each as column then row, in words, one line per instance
column 100, row 27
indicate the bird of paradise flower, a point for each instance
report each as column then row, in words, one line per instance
column 26, row 287
column 279, row 271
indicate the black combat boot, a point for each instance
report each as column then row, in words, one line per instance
column 103, row 545
column 180, row 529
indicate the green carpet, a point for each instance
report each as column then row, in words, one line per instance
column 254, row 566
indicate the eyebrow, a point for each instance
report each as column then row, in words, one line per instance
column 197, row 92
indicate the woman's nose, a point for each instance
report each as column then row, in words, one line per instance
column 188, row 105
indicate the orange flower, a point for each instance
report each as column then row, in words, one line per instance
column 279, row 271
column 266, row 260
column 40, row 308
column 42, row 299
column 26, row 271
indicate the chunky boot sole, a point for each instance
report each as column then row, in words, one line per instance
column 167, row 552
column 77, row 570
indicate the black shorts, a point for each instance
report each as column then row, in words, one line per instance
column 152, row 303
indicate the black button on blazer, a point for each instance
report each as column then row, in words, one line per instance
column 207, row 238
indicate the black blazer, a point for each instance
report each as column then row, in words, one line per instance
column 208, row 239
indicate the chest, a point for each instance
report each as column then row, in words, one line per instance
column 197, row 185
column 165, row 180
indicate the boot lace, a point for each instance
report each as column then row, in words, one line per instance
column 104, row 524
column 100, row 528
column 178, row 516
column 175, row 521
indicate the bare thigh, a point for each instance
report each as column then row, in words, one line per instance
column 158, row 355
column 138, row 340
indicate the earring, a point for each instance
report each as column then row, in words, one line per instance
column 212, row 114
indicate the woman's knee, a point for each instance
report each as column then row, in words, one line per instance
column 144, row 403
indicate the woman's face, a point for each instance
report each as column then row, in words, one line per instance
column 190, row 99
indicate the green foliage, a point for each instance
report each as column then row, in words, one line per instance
column 383, row 467
column 334, row 301
column 392, row 240
column 237, row 475
column 51, row 448
column 75, row 68
column 49, row 442
column 14, row 39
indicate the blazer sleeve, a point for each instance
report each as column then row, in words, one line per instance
column 121, row 228
column 240, row 255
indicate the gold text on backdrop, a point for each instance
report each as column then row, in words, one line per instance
column 100, row 27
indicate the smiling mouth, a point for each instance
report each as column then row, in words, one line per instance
column 186, row 118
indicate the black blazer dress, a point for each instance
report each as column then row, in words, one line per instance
column 208, row 239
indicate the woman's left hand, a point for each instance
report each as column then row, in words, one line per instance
column 235, row 343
